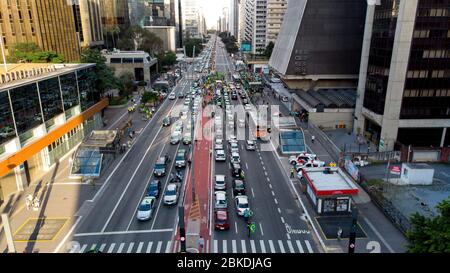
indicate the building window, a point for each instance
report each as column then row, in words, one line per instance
column 7, row 129
column 115, row 60
column 50, row 99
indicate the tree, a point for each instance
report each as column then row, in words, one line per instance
column 137, row 38
column 104, row 76
column 127, row 86
column 167, row 59
column 189, row 45
column 430, row 235
column 269, row 49
column 32, row 53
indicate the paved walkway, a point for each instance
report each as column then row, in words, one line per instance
column 60, row 198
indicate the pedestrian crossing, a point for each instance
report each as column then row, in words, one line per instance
column 217, row 246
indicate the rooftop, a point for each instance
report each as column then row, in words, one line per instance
column 329, row 183
column 328, row 98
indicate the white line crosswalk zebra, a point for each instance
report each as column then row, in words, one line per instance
column 261, row 246
column 125, row 247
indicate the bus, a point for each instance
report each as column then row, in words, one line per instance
column 258, row 125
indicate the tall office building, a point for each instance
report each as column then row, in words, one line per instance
column 242, row 22
column 321, row 48
column 115, row 14
column 48, row 23
column 88, row 24
column 234, row 18
column 247, row 22
column 259, row 26
column 404, row 83
column 225, row 19
column 275, row 14
column 192, row 19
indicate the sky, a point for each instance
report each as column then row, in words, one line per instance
column 212, row 9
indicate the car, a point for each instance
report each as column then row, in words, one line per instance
column 180, row 95
column 241, row 204
column 309, row 164
column 187, row 139
column 161, row 166
column 241, row 123
column 180, row 159
column 245, row 101
column 175, row 137
column 235, row 158
column 220, row 200
column 238, row 187
column 145, row 209
column 221, row 220
column 176, row 177
column 220, row 182
column 166, row 122
column 236, row 169
column 220, row 155
column 234, row 147
column 285, row 99
column 154, row 188
column 187, row 102
column 172, row 96
column 171, row 194
column 247, row 107
column 232, row 139
column 234, row 96
column 301, row 158
column 251, row 145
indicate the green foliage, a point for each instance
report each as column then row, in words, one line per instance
column 167, row 59
column 136, row 37
column 430, row 235
column 104, row 76
column 127, row 86
column 190, row 43
column 31, row 53
column 118, row 101
column 229, row 41
column 149, row 97
column 269, row 50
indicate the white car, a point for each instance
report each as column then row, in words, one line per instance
column 218, row 146
column 172, row 96
column 219, row 141
column 171, row 194
column 309, row 164
column 235, row 158
column 303, row 157
column 220, row 155
column 251, row 145
column 145, row 209
column 241, row 204
column 234, row 147
column 221, row 200
column 175, row 137
column 187, row 138
column 241, row 123
column 247, row 107
column 232, row 139
column 220, row 182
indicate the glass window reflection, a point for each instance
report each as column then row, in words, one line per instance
column 50, row 98
column 69, row 92
column 25, row 103
column 88, row 94
column 7, row 130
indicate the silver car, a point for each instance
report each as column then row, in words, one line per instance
column 220, row 182
column 221, row 200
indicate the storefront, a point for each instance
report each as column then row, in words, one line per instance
column 329, row 189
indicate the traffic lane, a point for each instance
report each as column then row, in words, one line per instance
column 135, row 224
column 99, row 213
column 120, row 218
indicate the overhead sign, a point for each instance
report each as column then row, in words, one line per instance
column 246, row 47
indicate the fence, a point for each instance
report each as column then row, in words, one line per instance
column 326, row 142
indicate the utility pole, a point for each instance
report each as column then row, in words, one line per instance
column 352, row 238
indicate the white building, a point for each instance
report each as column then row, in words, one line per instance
column 246, row 20
column 275, row 14
column 259, row 25
column 234, row 18
column 192, row 18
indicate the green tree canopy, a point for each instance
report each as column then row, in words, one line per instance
column 189, row 45
column 32, row 53
column 127, row 86
column 269, row 49
column 167, row 59
column 104, row 76
column 138, row 38
column 430, row 235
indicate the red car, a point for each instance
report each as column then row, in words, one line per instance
column 221, row 220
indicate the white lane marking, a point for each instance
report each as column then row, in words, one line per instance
column 378, row 234
column 235, row 226
column 130, row 247
column 102, row 247
column 265, row 173
column 83, row 248
column 282, row 219
column 244, row 247
column 131, row 179
column 299, row 245
column 207, row 246
column 123, row 232
column 246, row 165
column 270, row 186
column 149, row 247
column 141, row 244
column 233, row 246
column 291, row 248
column 263, row 247
column 253, row 193
column 308, row 246
column 288, row 236
column 252, row 245
column 120, row 248
column 280, row 244
column 273, row 193
column 216, row 247
column 276, row 201
column 279, row 210
column 169, row 243
column 264, row 168
column 268, row 179
column 224, row 246
column 261, row 228
column 272, row 247
column 158, row 247
column 111, row 247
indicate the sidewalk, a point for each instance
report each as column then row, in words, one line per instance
column 61, row 199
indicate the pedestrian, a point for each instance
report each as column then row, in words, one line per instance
column 339, row 234
column 36, row 204
column 201, row 243
column 28, row 201
column 312, row 139
column 292, row 172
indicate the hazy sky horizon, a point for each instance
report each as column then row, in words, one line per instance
column 212, row 9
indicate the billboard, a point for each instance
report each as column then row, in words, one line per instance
column 246, row 47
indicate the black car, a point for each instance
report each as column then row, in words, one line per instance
column 234, row 96
column 238, row 187
column 181, row 158
column 236, row 170
column 180, row 95
column 154, row 188
column 161, row 166
column 166, row 121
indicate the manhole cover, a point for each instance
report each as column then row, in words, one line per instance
column 39, row 229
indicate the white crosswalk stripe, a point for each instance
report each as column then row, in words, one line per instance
column 120, row 248
column 272, row 247
column 111, row 247
column 299, row 245
column 169, row 243
column 216, row 247
column 141, row 244
column 83, row 248
column 291, row 248
column 244, row 248
column 234, row 248
column 130, row 247
column 149, row 247
column 280, row 243
column 252, row 245
column 93, row 247
column 263, row 247
column 224, row 246
column 102, row 247
column 158, row 247
column 308, row 246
